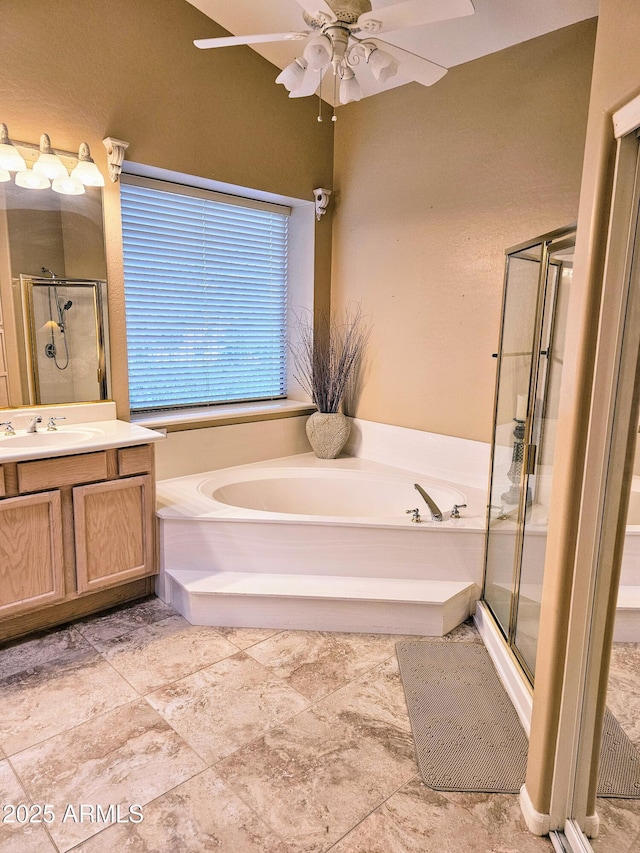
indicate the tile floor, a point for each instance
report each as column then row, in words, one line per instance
column 238, row 741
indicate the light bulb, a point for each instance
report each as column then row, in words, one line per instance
column 30, row 180
column 4, row 175
column 10, row 157
column 86, row 171
column 48, row 163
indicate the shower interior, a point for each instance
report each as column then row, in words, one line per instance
column 65, row 339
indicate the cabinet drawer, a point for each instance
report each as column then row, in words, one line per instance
column 61, row 471
column 3, row 488
column 135, row 460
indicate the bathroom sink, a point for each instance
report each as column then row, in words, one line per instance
column 64, row 438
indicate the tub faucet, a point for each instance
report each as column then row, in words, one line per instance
column 32, row 426
column 436, row 515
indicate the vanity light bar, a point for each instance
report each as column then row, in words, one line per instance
column 48, row 170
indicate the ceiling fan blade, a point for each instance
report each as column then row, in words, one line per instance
column 412, row 66
column 413, row 13
column 230, row 41
column 316, row 7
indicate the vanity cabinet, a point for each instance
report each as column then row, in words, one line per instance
column 76, row 536
column 31, row 553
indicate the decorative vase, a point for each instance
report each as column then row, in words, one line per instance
column 328, row 433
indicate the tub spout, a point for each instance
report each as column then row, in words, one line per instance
column 436, row 515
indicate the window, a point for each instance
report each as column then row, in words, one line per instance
column 206, row 295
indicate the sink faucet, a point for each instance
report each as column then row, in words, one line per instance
column 436, row 515
column 33, row 423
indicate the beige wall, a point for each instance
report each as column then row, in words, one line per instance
column 431, row 186
column 92, row 69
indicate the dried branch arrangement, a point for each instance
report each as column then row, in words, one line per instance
column 326, row 355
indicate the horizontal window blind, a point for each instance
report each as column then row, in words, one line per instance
column 206, row 297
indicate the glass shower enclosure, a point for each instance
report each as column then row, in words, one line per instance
column 65, row 339
column 538, row 277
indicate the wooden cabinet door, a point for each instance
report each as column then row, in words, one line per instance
column 31, row 555
column 113, row 532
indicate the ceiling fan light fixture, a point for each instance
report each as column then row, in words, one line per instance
column 318, row 53
column 383, row 66
column 349, row 87
column 292, row 76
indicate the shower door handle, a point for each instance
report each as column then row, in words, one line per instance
column 530, row 458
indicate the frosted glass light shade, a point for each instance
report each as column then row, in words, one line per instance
column 382, row 65
column 10, row 158
column 349, row 88
column 31, row 180
column 88, row 174
column 293, row 75
column 86, row 171
column 4, row 175
column 67, row 185
column 50, row 165
column 318, row 52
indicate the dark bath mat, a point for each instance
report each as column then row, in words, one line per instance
column 466, row 731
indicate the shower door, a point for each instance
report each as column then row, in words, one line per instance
column 65, row 339
column 537, row 280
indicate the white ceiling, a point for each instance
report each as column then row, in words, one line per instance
column 495, row 25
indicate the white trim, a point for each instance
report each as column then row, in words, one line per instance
column 509, row 673
column 627, row 118
column 538, row 823
column 577, row 839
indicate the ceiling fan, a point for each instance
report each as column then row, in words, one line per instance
column 343, row 37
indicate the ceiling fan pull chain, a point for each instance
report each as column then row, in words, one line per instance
column 320, row 96
column 335, row 96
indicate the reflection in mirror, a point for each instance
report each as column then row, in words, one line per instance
column 63, row 234
column 64, row 340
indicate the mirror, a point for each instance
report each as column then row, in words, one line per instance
column 43, row 234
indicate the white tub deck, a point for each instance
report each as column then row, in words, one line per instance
column 222, row 564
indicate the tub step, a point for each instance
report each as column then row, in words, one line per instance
column 320, row 602
column 627, row 624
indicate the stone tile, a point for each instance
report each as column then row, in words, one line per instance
column 466, row 632
column 165, row 651
column 245, row 637
column 41, row 653
column 227, row 705
column 619, row 826
column 317, row 663
column 623, row 696
column 56, row 682
column 375, row 704
column 315, row 777
column 125, row 757
column 16, row 836
column 115, row 623
column 417, row 819
column 198, row 816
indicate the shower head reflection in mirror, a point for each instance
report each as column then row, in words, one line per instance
column 65, row 338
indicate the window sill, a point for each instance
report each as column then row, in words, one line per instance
column 231, row 413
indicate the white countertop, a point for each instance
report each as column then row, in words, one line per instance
column 72, row 438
